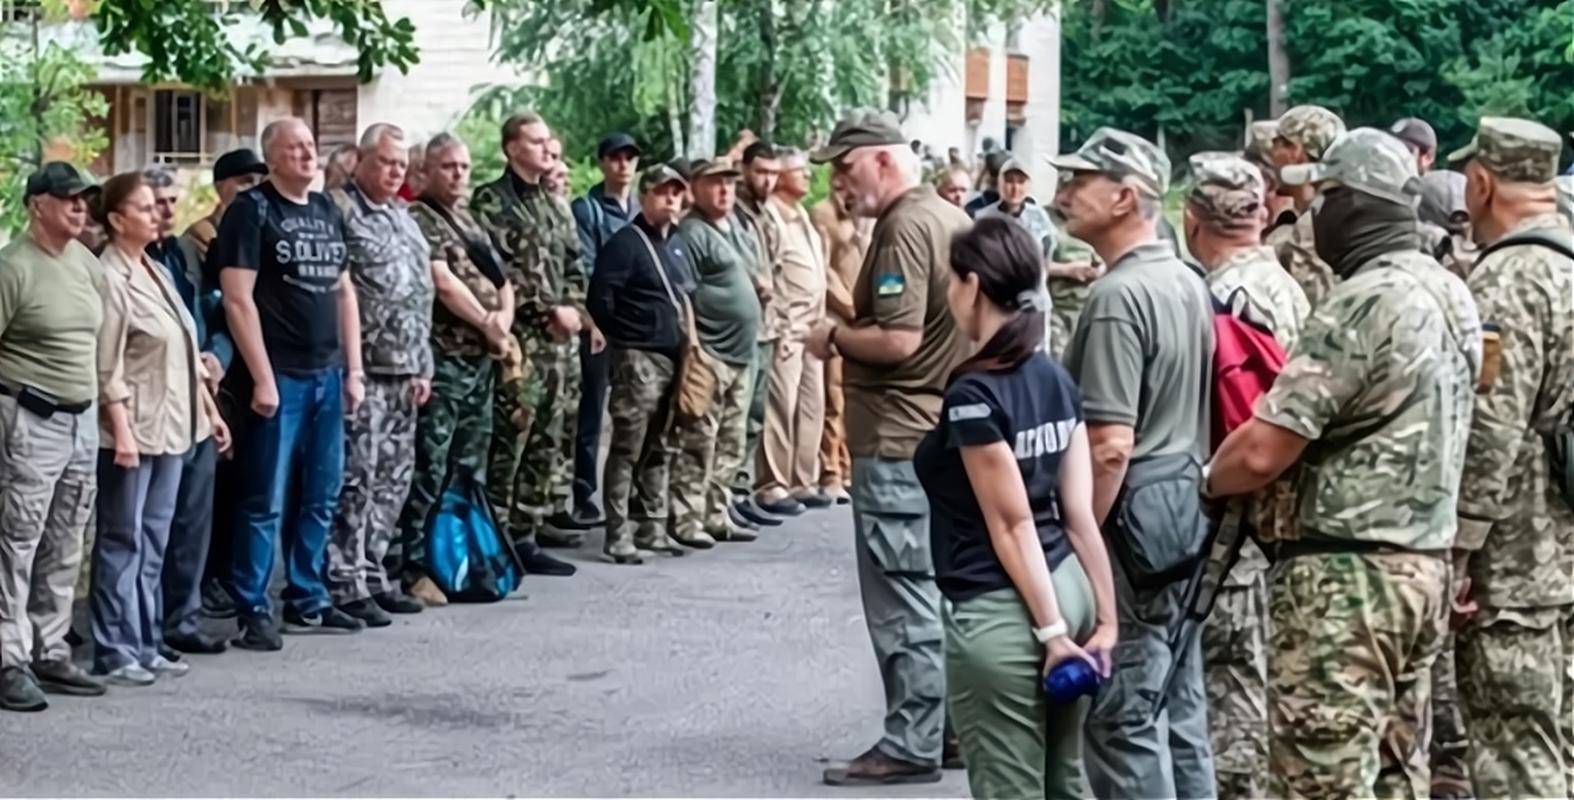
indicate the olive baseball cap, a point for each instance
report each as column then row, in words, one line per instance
column 1314, row 128
column 1225, row 186
column 1367, row 160
column 862, row 127
column 59, row 179
column 1514, row 149
column 660, row 175
column 1119, row 154
column 714, row 168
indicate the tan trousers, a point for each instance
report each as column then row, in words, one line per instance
column 794, row 415
column 836, row 464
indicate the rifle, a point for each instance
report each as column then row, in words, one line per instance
column 1226, row 532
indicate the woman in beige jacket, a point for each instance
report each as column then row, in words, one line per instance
column 153, row 407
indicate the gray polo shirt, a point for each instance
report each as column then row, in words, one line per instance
column 1142, row 352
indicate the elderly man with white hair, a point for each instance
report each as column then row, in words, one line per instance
column 390, row 264
column 292, row 310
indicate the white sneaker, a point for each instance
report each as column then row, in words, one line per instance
column 130, row 675
column 163, row 666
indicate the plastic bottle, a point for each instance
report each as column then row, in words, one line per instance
column 1071, row 679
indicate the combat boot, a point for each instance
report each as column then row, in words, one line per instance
column 623, row 551
column 653, row 536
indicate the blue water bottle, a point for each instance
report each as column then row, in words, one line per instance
column 1071, row 679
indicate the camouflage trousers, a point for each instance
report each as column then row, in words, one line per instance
column 1352, row 641
column 706, row 453
column 1450, row 751
column 453, row 432
column 759, row 371
column 1516, row 678
column 1234, row 646
column 379, row 463
column 530, row 463
column 634, row 482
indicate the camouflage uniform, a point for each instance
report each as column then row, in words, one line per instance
column 535, row 233
column 454, row 427
column 1314, row 128
column 1516, row 656
column 1380, row 384
column 390, row 266
column 1228, row 190
column 1067, row 296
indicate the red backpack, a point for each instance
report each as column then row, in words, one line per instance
column 1246, row 360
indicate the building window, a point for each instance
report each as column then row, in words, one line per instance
column 177, row 125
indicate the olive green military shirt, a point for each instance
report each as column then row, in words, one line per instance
column 726, row 309
column 50, row 311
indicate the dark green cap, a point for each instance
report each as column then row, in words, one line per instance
column 660, row 175
column 59, row 179
column 862, row 127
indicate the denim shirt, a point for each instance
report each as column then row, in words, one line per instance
column 201, row 296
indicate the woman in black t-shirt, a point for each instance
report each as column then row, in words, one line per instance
column 1017, row 552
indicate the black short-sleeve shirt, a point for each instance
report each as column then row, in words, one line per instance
column 1035, row 409
column 298, row 253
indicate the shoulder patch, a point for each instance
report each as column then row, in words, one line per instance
column 889, row 285
column 967, row 412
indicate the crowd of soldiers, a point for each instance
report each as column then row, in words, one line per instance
column 1401, row 624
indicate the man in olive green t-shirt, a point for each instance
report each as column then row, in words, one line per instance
column 50, row 310
column 899, row 351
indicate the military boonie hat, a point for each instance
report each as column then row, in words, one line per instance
column 1416, row 131
column 713, row 168
column 1226, row 186
column 660, row 175
column 862, row 127
column 1259, row 141
column 1119, row 154
column 59, row 179
column 1514, row 149
column 1367, row 160
column 1313, row 128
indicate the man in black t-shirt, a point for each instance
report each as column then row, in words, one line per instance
column 290, row 304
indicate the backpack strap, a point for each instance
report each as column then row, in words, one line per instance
column 1551, row 239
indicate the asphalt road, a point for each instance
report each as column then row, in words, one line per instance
column 736, row 672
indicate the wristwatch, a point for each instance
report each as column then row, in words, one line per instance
column 1050, row 631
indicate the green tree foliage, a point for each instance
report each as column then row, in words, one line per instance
column 1197, row 72
column 203, row 55
column 44, row 103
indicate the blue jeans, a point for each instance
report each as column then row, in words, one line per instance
column 291, row 470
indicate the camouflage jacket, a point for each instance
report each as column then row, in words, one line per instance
column 1453, row 251
column 1510, row 513
column 1067, row 296
column 391, row 266
column 536, row 235
column 1293, row 245
column 1253, row 285
column 1381, row 382
column 452, row 336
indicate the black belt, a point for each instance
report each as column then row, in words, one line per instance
column 53, row 405
column 1319, row 546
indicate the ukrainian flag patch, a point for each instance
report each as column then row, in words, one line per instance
column 889, row 285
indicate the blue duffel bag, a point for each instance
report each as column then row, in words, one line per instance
column 466, row 556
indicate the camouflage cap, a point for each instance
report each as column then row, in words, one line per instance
column 1313, row 128
column 714, row 167
column 862, row 127
column 1259, row 141
column 1367, row 160
column 660, row 174
column 1119, row 154
column 1225, row 186
column 1514, row 149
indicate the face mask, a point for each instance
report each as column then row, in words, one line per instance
column 1351, row 228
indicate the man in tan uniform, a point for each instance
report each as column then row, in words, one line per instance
column 847, row 240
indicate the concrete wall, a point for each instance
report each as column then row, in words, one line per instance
column 1039, row 137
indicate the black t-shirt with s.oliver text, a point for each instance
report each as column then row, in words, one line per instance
column 1034, row 409
column 298, row 253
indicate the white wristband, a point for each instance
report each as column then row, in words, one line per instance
column 1044, row 634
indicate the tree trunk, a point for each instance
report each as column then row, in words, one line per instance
column 1097, row 12
column 1278, row 61
column 770, row 81
column 702, row 80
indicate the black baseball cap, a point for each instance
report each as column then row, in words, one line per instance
column 59, row 179
column 613, row 142
column 236, row 163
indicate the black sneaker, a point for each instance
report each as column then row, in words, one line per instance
column 752, row 513
column 565, row 521
column 258, row 633
column 589, row 515
column 198, row 643
column 64, row 677
column 19, row 692
column 368, row 613
column 216, row 601
column 328, row 620
column 395, row 602
column 785, row 507
column 814, row 500
column 539, row 562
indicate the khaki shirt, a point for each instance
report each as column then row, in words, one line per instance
column 50, row 311
column 799, row 287
column 846, row 242
column 148, row 358
column 902, row 285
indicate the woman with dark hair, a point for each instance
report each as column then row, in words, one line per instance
column 153, row 407
column 1016, row 549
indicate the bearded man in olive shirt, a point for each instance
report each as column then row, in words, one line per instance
column 899, row 352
